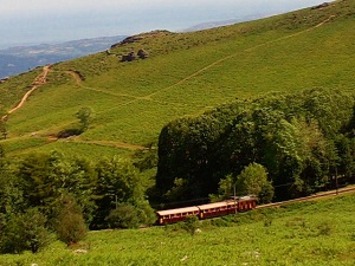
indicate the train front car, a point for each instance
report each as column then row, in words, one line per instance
column 176, row 215
column 247, row 203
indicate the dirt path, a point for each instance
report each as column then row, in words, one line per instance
column 78, row 82
column 39, row 81
column 149, row 96
column 238, row 53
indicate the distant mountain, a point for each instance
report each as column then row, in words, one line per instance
column 214, row 24
column 15, row 60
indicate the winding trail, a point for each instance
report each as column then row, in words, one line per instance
column 148, row 97
column 238, row 53
column 198, row 72
column 78, row 82
column 40, row 80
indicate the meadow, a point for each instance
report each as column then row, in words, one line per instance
column 185, row 75
column 313, row 233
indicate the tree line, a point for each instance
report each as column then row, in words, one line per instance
column 50, row 196
column 302, row 141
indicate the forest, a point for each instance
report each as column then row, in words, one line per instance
column 49, row 196
column 304, row 140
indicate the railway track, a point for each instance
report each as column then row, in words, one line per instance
column 325, row 194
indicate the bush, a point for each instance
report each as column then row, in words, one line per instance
column 253, row 180
column 66, row 133
column 221, row 222
column 70, row 224
column 24, row 232
column 191, row 224
column 124, row 216
column 325, row 229
column 85, row 116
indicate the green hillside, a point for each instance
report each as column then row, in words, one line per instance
column 185, row 75
column 297, row 234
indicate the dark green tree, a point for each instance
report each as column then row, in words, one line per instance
column 47, row 177
column 253, row 180
column 85, row 116
column 69, row 224
column 119, row 182
column 26, row 231
column 124, row 216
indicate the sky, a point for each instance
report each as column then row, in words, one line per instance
column 38, row 21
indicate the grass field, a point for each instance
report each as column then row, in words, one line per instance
column 186, row 74
column 313, row 233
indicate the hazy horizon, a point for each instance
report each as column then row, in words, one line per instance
column 39, row 21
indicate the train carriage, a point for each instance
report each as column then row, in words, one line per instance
column 246, row 203
column 216, row 209
column 205, row 211
column 176, row 215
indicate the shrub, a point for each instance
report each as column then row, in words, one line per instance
column 24, row 232
column 267, row 222
column 66, row 133
column 220, row 222
column 85, row 116
column 191, row 224
column 124, row 216
column 325, row 229
column 69, row 224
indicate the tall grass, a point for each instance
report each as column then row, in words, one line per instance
column 316, row 233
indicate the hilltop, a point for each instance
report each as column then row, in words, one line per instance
column 184, row 75
column 17, row 59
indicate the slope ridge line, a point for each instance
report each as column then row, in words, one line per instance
column 148, row 97
column 237, row 53
column 41, row 78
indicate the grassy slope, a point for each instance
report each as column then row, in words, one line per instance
column 191, row 72
column 314, row 233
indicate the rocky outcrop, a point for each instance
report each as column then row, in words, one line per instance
column 142, row 54
column 128, row 40
column 129, row 57
column 142, row 36
column 325, row 4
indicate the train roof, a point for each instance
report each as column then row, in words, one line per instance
column 213, row 205
column 180, row 210
column 250, row 197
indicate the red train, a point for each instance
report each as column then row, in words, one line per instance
column 207, row 210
